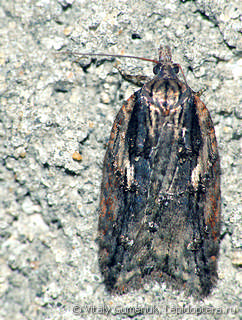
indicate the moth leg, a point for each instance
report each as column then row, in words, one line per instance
column 137, row 80
column 199, row 93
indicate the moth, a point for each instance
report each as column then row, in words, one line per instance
column 159, row 214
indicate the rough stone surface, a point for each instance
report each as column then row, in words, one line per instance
column 54, row 104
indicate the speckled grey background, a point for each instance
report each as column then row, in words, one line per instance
column 53, row 104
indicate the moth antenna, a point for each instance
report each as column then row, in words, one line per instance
column 120, row 56
column 183, row 74
column 110, row 55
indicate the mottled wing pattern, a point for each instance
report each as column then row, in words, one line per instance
column 160, row 195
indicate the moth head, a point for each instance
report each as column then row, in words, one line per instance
column 162, row 69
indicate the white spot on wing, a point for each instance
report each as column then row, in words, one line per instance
column 196, row 176
column 130, row 173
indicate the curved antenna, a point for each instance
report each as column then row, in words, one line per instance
column 164, row 54
column 110, row 55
